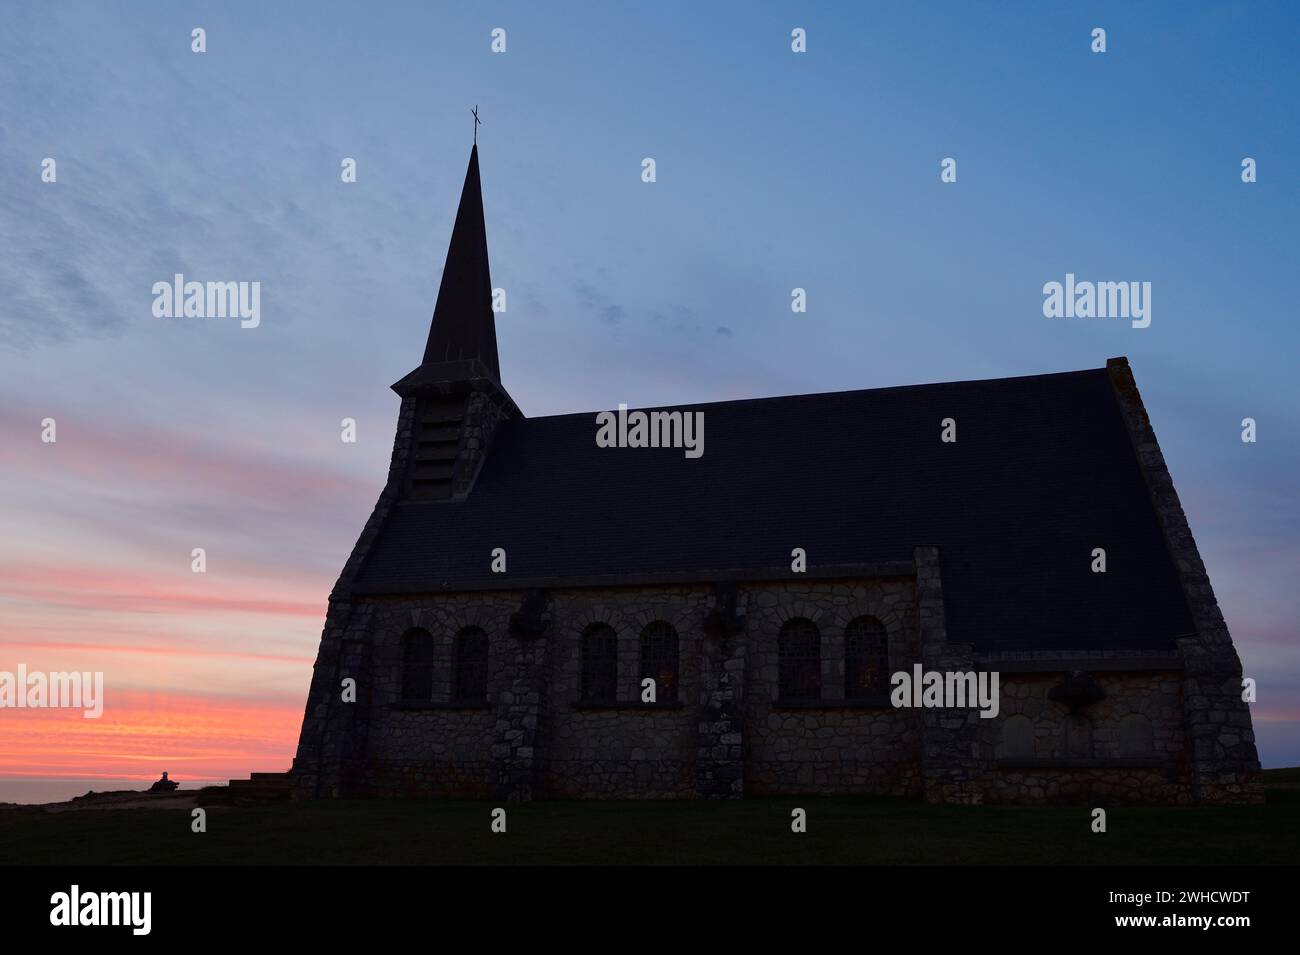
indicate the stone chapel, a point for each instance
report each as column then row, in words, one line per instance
column 516, row 586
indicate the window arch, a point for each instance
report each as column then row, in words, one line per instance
column 659, row 658
column 866, row 658
column 799, row 655
column 1017, row 737
column 471, row 666
column 1076, row 736
column 1136, row 737
column 417, row 666
column 599, row 664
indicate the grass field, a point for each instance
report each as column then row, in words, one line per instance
column 841, row 830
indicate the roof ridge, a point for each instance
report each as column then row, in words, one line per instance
column 700, row 405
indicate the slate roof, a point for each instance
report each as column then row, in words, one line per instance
column 1042, row 472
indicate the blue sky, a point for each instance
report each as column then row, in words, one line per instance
column 775, row 170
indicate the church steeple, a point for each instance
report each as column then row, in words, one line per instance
column 453, row 403
column 463, row 328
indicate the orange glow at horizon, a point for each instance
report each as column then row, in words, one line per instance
column 140, row 734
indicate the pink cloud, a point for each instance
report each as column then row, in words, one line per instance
column 89, row 450
column 97, row 588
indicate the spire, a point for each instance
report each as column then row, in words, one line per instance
column 463, row 327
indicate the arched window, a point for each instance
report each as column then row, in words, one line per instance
column 866, row 659
column 599, row 664
column 1135, row 736
column 1076, row 736
column 799, row 653
column 471, row 666
column 417, row 666
column 659, row 659
column 1017, row 738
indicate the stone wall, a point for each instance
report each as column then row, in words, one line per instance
column 1128, row 746
column 950, row 761
column 830, row 745
column 1225, row 763
column 724, row 735
column 728, row 733
column 630, row 749
column 444, row 748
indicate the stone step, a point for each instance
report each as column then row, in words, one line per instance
column 272, row 779
column 259, row 786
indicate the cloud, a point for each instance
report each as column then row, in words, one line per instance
column 598, row 302
column 64, row 646
column 100, row 588
column 59, row 284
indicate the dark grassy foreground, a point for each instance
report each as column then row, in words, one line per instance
column 845, row 830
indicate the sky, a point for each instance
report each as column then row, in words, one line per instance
column 775, row 170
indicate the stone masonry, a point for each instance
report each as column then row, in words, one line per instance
column 729, row 734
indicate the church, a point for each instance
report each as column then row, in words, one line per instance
column 531, row 613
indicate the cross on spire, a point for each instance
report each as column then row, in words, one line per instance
column 477, row 123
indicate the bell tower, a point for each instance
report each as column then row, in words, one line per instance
column 453, row 402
